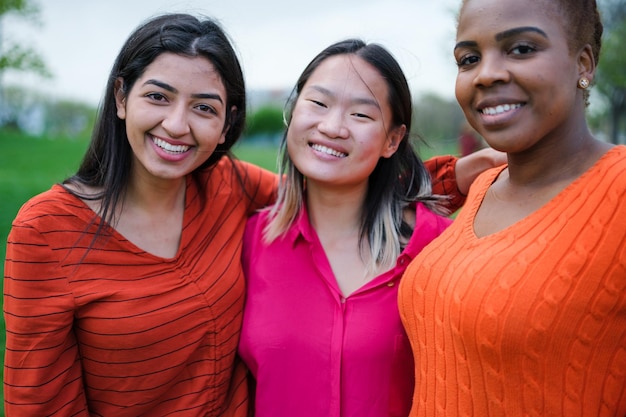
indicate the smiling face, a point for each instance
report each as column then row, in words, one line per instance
column 175, row 115
column 341, row 123
column 517, row 78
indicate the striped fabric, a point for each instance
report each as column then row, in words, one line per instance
column 116, row 331
column 531, row 320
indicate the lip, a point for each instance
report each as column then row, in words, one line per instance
column 169, row 149
column 499, row 111
column 327, row 149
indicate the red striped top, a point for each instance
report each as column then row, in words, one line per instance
column 117, row 331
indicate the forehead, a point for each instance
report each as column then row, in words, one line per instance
column 182, row 69
column 349, row 73
column 493, row 16
column 343, row 68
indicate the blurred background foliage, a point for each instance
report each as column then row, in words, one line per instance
column 436, row 118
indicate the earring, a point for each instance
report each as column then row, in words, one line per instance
column 583, row 83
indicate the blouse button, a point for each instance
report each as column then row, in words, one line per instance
column 391, row 284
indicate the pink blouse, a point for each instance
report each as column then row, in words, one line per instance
column 313, row 351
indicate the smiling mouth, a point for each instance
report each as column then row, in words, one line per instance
column 327, row 150
column 502, row 108
column 168, row 147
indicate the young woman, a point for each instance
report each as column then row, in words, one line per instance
column 519, row 308
column 123, row 288
column 321, row 334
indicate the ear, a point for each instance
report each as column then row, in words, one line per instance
column 586, row 63
column 233, row 113
column 120, row 98
column 393, row 141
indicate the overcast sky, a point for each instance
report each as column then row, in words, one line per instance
column 275, row 39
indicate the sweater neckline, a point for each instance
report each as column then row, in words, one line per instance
column 543, row 213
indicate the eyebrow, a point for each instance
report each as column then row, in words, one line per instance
column 504, row 35
column 517, row 31
column 169, row 88
column 359, row 100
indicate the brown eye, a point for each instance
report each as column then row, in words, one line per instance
column 319, row 103
column 156, row 96
column 467, row 60
column 522, row 49
column 205, row 108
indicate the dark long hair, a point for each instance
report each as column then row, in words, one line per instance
column 107, row 162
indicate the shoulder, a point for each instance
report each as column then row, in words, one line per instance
column 256, row 223
column 241, row 178
column 253, row 241
column 49, row 205
column 610, row 170
column 231, row 167
column 615, row 158
column 428, row 225
column 51, row 218
column 426, row 221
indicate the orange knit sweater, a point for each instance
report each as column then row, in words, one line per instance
column 529, row 321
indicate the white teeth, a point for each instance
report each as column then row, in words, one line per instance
column 169, row 147
column 502, row 108
column 329, row 151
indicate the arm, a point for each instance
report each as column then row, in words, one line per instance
column 259, row 185
column 472, row 165
column 453, row 176
column 42, row 372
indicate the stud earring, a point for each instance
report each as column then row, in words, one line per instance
column 583, row 83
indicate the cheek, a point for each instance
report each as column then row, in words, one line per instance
column 139, row 118
column 299, row 128
column 300, row 120
column 371, row 143
column 291, row 143
column 460, row 89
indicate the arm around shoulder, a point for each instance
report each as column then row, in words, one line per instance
column 452, row 176
column 469, row 167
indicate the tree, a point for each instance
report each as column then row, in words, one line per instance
column 611, row 78
column 13, row 55
column 265, row 123
column 436, row 119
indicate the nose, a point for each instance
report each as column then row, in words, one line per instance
column 491, row 70
column 176, row 122
column 333, row 124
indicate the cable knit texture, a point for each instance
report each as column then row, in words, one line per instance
column 529, row 321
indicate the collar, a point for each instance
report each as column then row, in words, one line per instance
column 301, row 228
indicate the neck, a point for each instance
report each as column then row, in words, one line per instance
column 155, row 196
column 335, row 212
column 554, row 160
